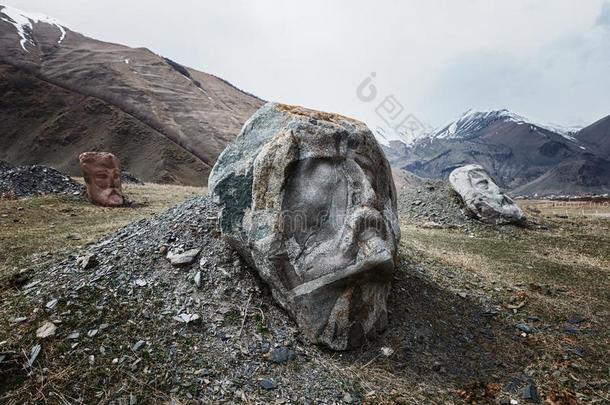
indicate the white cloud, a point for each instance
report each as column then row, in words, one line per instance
column 428, row 54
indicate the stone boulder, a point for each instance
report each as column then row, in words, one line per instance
column 308, row 200
column 102, row 173
column 482, row 196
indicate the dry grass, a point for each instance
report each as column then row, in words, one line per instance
column 460, row 258
column 50, row 224
column 599, row 209
column 556, row 272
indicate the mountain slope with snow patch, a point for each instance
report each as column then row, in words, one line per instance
column 62, row 93
column 23, row 21
column 521, row 155
column 472, row 122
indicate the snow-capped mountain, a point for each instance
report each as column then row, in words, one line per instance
column 474, row 121
column 386, row 135
column 408, row 132
column 23, row 23
column 522, row 154
column 62, row 93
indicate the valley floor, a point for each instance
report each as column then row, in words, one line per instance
column 48, row 225
column 478, row 314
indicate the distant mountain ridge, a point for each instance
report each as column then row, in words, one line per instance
column 524, row 156
column 63, row 93
column 473, row 121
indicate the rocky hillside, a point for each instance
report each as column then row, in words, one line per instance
column 522, row 155
column 597, row 136
column 63, row 93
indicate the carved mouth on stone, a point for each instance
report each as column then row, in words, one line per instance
column 377, row 268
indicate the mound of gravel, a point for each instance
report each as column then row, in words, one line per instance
column 128, row 178
column 35, row 180
column 203, row 327
column 433, row 201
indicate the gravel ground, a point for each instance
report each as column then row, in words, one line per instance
column 126, row 311
column 29, row 181
column 116, row 321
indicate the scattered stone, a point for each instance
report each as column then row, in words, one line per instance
column 482, row 196
column 287, row 165
column 530, row 393
column 51, row 304
column 92, row 333
column 47, row 329
column 33, row 355
column 87, row 261
column 138, row 345
column 387, row 351
column 197, row 279
column 525, row 328
column 282, row 354
column 73, row 236
column 73, row 336
column 140, row 283
column 186, row 318
column 179, row 259
column 108, row 192
column 268, row 384
column 19, row 319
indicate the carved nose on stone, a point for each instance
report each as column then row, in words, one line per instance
column 369, row 231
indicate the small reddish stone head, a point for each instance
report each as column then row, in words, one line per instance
column 102, row 173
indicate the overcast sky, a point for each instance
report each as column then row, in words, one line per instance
column 546, row 59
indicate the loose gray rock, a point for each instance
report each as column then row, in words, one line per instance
column 309, row 201
column 482, row 196
column 282, row 354
column 197, row 279
column 51, row 304
column 33, row 355
column 45, row 330
column 87, row 261
column 186, row 318
column 138, row 345
column 179, row 259
column 268, row 384
column 523, row 327
column 530, row 393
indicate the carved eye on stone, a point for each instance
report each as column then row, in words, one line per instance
column 101, row 176
column 482, row 184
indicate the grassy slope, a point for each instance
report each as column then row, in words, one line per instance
column 554, row 275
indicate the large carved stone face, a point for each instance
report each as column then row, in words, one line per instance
column 482, row 183
column 102, row 174
column 321, row 226
column 483, row 196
